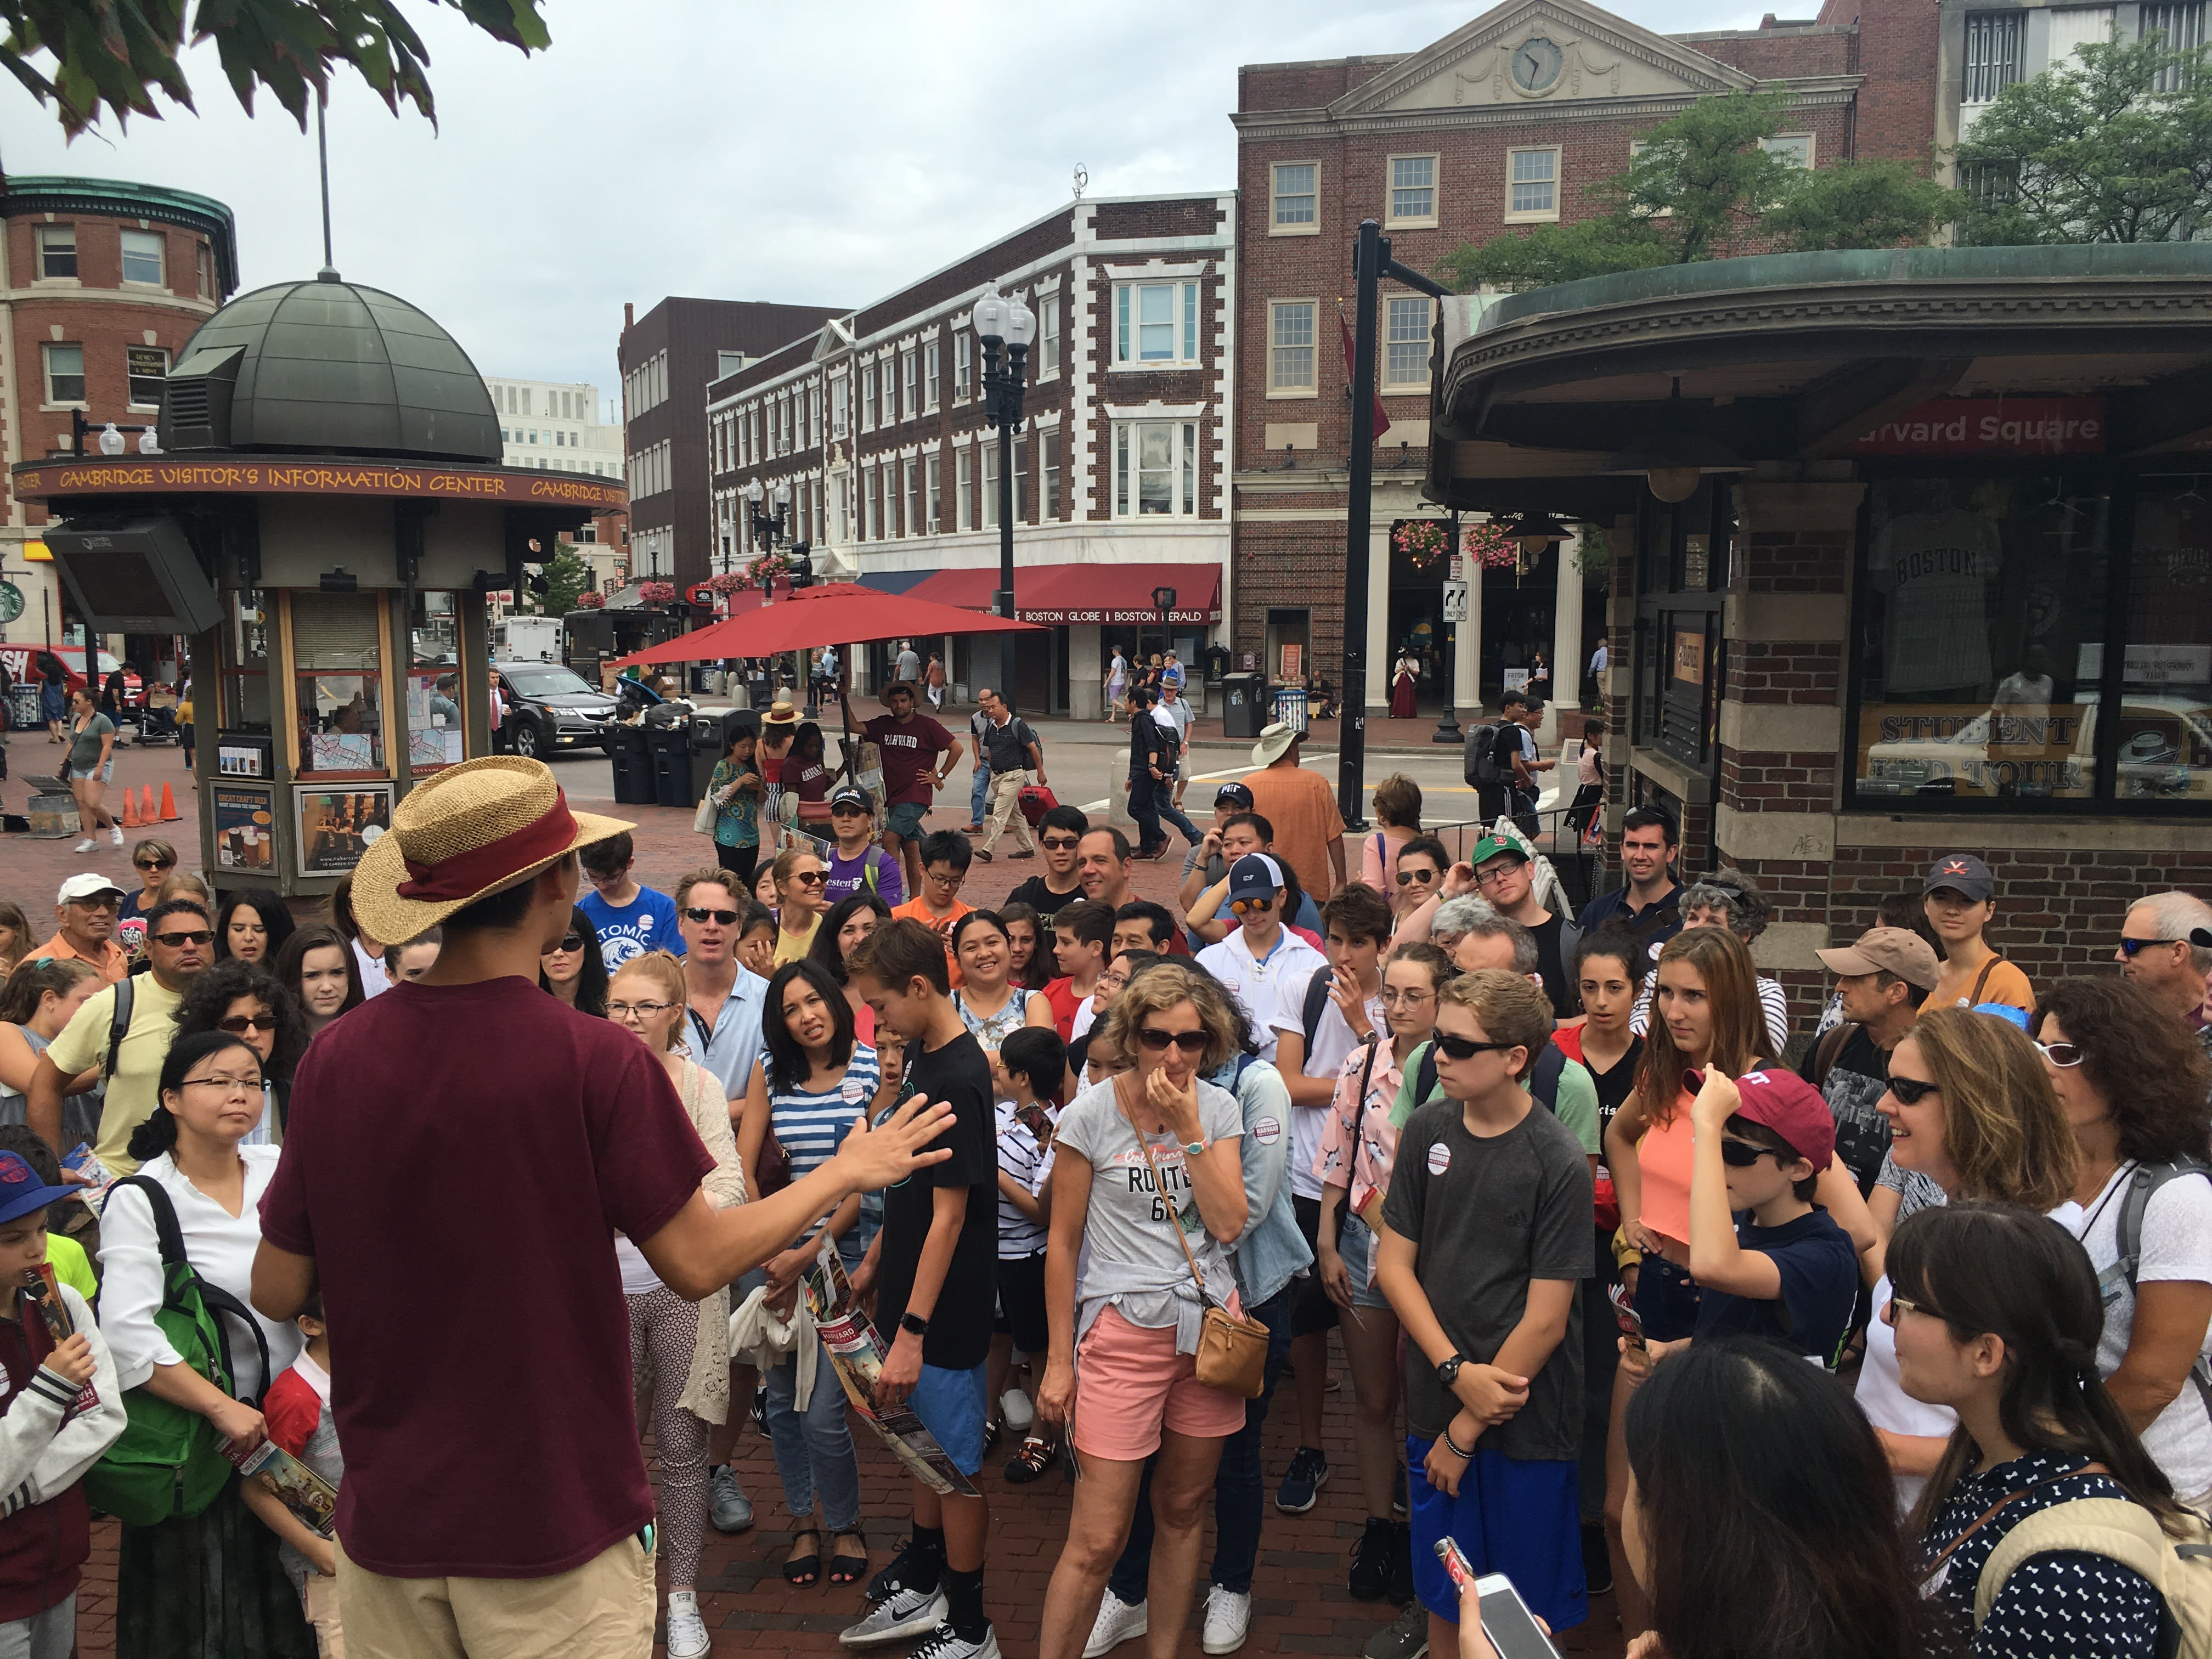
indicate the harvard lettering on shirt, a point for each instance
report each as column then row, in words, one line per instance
column 910, row 752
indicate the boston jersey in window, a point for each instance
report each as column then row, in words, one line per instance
column 1937, row 569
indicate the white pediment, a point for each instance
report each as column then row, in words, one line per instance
column 1532, row 52
column 836, row 337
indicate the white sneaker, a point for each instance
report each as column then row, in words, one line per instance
column 87, row 844
column 115, row 834
column 1227, row 1621
column 944, row 1642
column 1116, row 1623
column 687, row 1631
column 1014, row 1406
column 905, row 1612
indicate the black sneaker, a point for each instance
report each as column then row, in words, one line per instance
column 893, row 1577
column 1402, row 1565
column 1597, row 1560
column 1309, row 1474
column 1371, row 1560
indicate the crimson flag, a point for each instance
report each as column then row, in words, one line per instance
column 1352, row 372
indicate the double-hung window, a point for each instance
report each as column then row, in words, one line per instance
column 1155, row 469
column 1156, row 325
column 1291, row 331
column 1296, row 211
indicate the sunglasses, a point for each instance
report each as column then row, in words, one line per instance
column 1743, row 1154
column 1460, row 1048
column 2063, row 1053
column 239, row 1024
column 1910, row 1091
column 1191, row 1042
column 809, row 878
column 727, row 918
column 570, row 942
column 2130, row 946
column 1251, row 906
column 1058, row 843
column 153, row 864
column 1408, row 877
column 177, row 940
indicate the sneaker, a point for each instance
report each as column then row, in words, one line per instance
column 1228, row 1620
column 946, row 1642
column 115, row 834
column 1372, row 1557
column 1014, row 1407
column 1597, row 1560
column 893, row 1579
column 1406, row 1639
column 1307, row 1475
column 87, row 844
column 687, row 1631
column 1117, row 1622
column 902, row 1615
column 1398, row 1493
column 1402, row 1565
column 727, row 1506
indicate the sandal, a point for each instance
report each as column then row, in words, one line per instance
column 1029, row 1463
column 803, row 1570
column 993, row 1426
column 847, row 1569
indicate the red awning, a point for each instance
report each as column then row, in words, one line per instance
column 1081, row 595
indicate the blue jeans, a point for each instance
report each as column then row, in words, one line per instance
column 979, row 796
column 814, row 1453
column 1239, row 1484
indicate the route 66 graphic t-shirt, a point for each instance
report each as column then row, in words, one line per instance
column 648, row 922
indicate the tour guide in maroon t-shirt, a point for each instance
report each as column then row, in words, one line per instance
column 909, row 744
column 461, row 1153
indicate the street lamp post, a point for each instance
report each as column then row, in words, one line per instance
column 1007, row 324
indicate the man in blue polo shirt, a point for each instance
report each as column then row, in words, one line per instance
column 1649, row 904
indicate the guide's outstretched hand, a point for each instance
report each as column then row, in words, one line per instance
column 886, row 1154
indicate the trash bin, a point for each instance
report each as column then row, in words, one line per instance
column 22, row 709
column 1243, row 705
column 672, row 784
column 633, row 764
column 1291, row 706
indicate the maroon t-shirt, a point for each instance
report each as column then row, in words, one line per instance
column 458, row 1161
column 910, row 753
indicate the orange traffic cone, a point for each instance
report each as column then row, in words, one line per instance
column 146, row 807
column 169, row 813
column 129, row 819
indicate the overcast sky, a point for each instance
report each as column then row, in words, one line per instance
column 823, row 152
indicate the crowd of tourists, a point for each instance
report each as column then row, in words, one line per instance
column 1804, row 1341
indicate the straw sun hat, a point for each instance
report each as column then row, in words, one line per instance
column 462, row 835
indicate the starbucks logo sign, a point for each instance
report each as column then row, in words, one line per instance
column 11, row 602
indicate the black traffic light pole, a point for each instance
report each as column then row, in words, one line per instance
column 1370, row 263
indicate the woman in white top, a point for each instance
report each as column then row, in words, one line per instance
column 1148, row 1162
column 2132, row 1081
column 210, row 1585
column 688, row 1342
column 1971, row 1107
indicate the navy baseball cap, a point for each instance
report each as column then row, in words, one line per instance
column 1254, row 876
column 1233, row 794
column 1963, row 873
column 23, row 1192
column 853, row 800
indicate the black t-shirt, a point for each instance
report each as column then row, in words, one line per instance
column 1040, row 897
column 1613, row 1087
column 1820, row 1285
column 1858, row 1078
column 1558, row 983
column 960, row 1324
column 1008, row 745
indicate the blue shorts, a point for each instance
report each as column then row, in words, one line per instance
column 904, row 819
column 1355, row 1242
column 951, row 1405
column 1522, row 1519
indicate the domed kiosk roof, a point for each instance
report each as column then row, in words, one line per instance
column 328, row 367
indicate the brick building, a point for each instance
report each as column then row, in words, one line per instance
column 667, row 357
column 1504, row 122
column 100, row 283
column 875, row 422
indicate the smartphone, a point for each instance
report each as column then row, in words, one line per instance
column 1506, row 1620
column 1625, row 1314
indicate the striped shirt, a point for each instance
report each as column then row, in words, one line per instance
column 809, row 1124
column 1019, row 1157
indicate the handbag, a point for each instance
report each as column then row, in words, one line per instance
column 168, row 1462
column 1232, row 1349
column 703, row 821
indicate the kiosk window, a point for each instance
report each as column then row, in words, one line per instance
column 434, row 725
column 2165, row 742
column 338, row 666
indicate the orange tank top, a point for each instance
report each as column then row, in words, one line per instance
column 1662, row 1157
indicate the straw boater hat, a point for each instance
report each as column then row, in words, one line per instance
column 1273, row 739
column 781, row 713
column 462, row 835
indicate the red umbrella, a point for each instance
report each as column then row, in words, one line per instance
column 834, row 613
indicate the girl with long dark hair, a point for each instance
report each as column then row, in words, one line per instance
column 243, row 1000
column 251, row 925
column 851, row 919
column 573, row 969
column 318, row 967
column 1029, row 944
column 1997, row 1312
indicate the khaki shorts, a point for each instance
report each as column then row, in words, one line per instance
column 601, row 1610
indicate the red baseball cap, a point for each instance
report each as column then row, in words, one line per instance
column 1793, row 1108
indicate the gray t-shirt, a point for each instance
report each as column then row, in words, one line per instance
column 1487, row 1215
column 1131, row 1259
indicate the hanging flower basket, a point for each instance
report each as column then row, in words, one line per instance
column 1489, row 546
column 592, row 601
column 729, row 583
column 657, row 592
column 1421, row 541
column 763, row 570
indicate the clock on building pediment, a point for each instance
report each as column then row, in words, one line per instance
column 1536, row 64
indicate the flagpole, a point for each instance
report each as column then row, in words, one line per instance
column 1370, row 251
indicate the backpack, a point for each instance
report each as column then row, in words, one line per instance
column 1482, row 756
column 2180, row 1570
column 1316, row 1001
column 168, row 1462
column 869, row 865
column 1825, row 1051
column 1543, row 1076
column 118, row 1027
column 2141, row 1186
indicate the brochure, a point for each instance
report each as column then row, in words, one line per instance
column 858, row 1354
column 306, row 1493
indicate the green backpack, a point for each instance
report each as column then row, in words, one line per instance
column 168, row 1463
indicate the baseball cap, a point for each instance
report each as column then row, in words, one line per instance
column 857, row 799
column 1962, row 873
column 86, row 885
column 22, row 1191
column 1254, row 876
column 1897, row 950
column 1793, row 1108
column 1233, row 794
column 2201, row 937
column 1491, row 846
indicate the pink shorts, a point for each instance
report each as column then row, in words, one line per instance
column 1131, row 1383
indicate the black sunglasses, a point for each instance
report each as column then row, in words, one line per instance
column 570, row 942
column 1460, row 1048
column 2130, row 946
column 153, row 864
column 239, row 1024
column 1911, row 1091
column 1743, row 1154
column 176, row 940
column 1406, row 875
column 1191, row 1042
column 727, row 918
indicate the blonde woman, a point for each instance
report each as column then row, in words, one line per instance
column 690, row 1343
column 1136, row 1323
column 801, row 896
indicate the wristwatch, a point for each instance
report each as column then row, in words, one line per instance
column 1195, row 1148
column 1448, row 1373
column 913, row 1323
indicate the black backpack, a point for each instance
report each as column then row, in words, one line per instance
column 1543, row 1076
column 1481, row 765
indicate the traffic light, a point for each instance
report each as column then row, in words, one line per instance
column 802, row 566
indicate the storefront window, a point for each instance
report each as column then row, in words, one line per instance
column 1981, row 638
column 434, row 693
column 244, row 671
column 2164, row 748
column 338, row 666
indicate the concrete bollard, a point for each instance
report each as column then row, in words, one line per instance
column 1117, row 793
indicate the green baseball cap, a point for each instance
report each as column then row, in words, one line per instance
column 1491, row 846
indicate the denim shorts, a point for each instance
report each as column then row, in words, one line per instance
column 1355, row 1242
column 904, row 819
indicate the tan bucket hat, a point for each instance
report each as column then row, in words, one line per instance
column 1275, row 739
column 462, row 835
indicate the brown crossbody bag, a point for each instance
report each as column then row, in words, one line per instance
column 1233, row 1350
